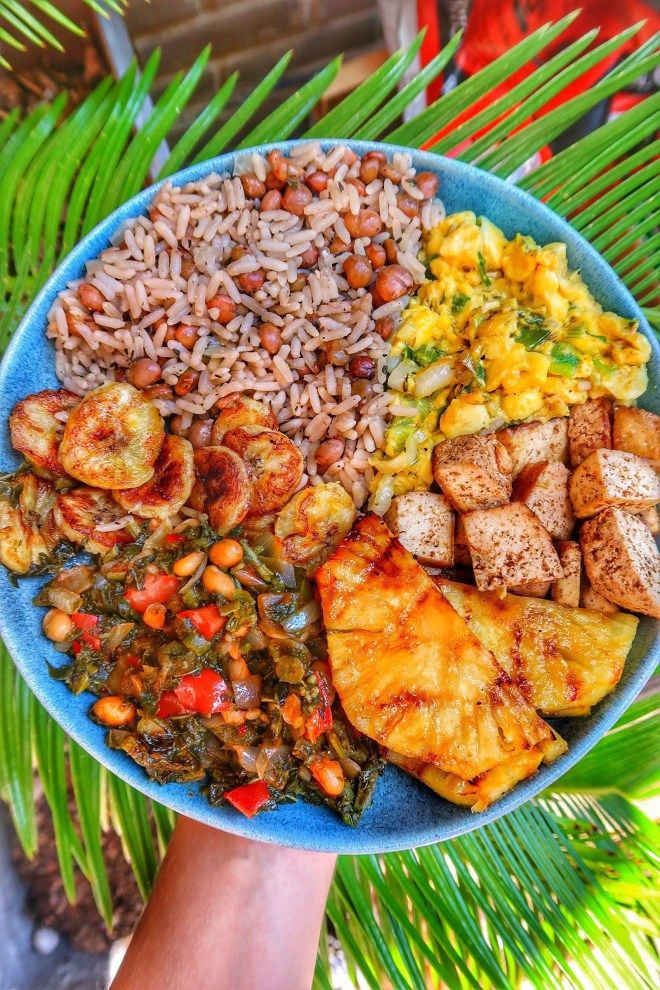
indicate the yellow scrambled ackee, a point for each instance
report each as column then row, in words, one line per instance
column 500, row 331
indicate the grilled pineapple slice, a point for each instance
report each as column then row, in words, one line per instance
column 274, row 464
column 563, row 659
column 314, row 522
column 112, row 438
column 79, row 514
column 242, row 412
column 409, row 672
column 169, row 489
column 489, row 787
column 36, row 432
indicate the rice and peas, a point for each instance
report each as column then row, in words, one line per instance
column 262, row 284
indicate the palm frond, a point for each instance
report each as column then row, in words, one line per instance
column 521, row 899
column 19, row 24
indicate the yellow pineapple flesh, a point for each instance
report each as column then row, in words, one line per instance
column 562, row 659
column 409, row 672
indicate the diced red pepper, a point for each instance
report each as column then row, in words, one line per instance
column 249, row 798
column 86, row 622
column 76, row 647
column 205, row 694
column 207, row 620
column 174, row 538
column 133, row 661
column 157, row 589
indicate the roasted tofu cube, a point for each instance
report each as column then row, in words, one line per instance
column 589, row 428
column 651, row 519
column 622, row 560
column 473, row 472
column 510, row 547
column 423, row 522
column 613, row 477
column 566, row 589
column 530, row 443
column 544, row 489
column 594, row 601
column 637, row 432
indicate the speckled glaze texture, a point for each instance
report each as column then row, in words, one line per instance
column 404, row 813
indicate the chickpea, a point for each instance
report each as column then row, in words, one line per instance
column 358, row 271
column 384, row 327
column 200, row 433
column 317, row 181
column 427, row 182
column 337, row 246
column 113, row 711
column 91, row 297
column 361, row 366
column 391, row 252
column 296, row 198
column 218, row 582
column 328, row 453
column 392, row 282
column 226, row 308
column 186, row 335
column 251, row 281
column 310, row 256
column 154, row 615
column 186, row 381
column 185, row 566
column 272, row 200
column 226, row 553
column 57, row 625
column 278, row 164
column 369, row 169
column 143, row 372
column 176, row 426
column 376, row 254
column 366, row 223
column 270, row 337
column 253, row 187
column 387, row 171
column 159, row 391
column 407, row 204
column 359, row 185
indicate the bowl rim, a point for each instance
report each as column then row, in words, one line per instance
column 264, row 828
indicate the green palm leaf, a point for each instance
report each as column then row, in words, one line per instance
column 546, row 894
column 18, row 23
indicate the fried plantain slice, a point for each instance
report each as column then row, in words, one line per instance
column 36, row 432
column 79, row 514
column 223, row 488
column 314, row 522
column 274, row 464
column 242, row 412
column 21, row 545
column 170, row 487
column 112, row 438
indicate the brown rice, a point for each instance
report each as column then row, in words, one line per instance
column 163, row 268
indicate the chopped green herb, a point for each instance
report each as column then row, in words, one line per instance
column 532, row 336
column 407, row 353
column 565, row 360
column 480, row 373
column 604, row 368
column 481, row 262
column 427, row 354
column 397, row 434
column 458, row 302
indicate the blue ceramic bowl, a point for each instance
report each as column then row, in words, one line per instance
column 404, row 812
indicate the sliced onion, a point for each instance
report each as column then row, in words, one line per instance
column 247, row 757
column 302, row 617
column 283, row 569
column 350, row 767
column 437, row 375
column 266, row 603
column 382, row 497
column 256, row 639
column 406, row 458
column 117, row 635
column 247, row 692
column 76, row 579
column 398, row 376
column 270, row 755
column 248, row 578
column 274, row 631
column 66, row 601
